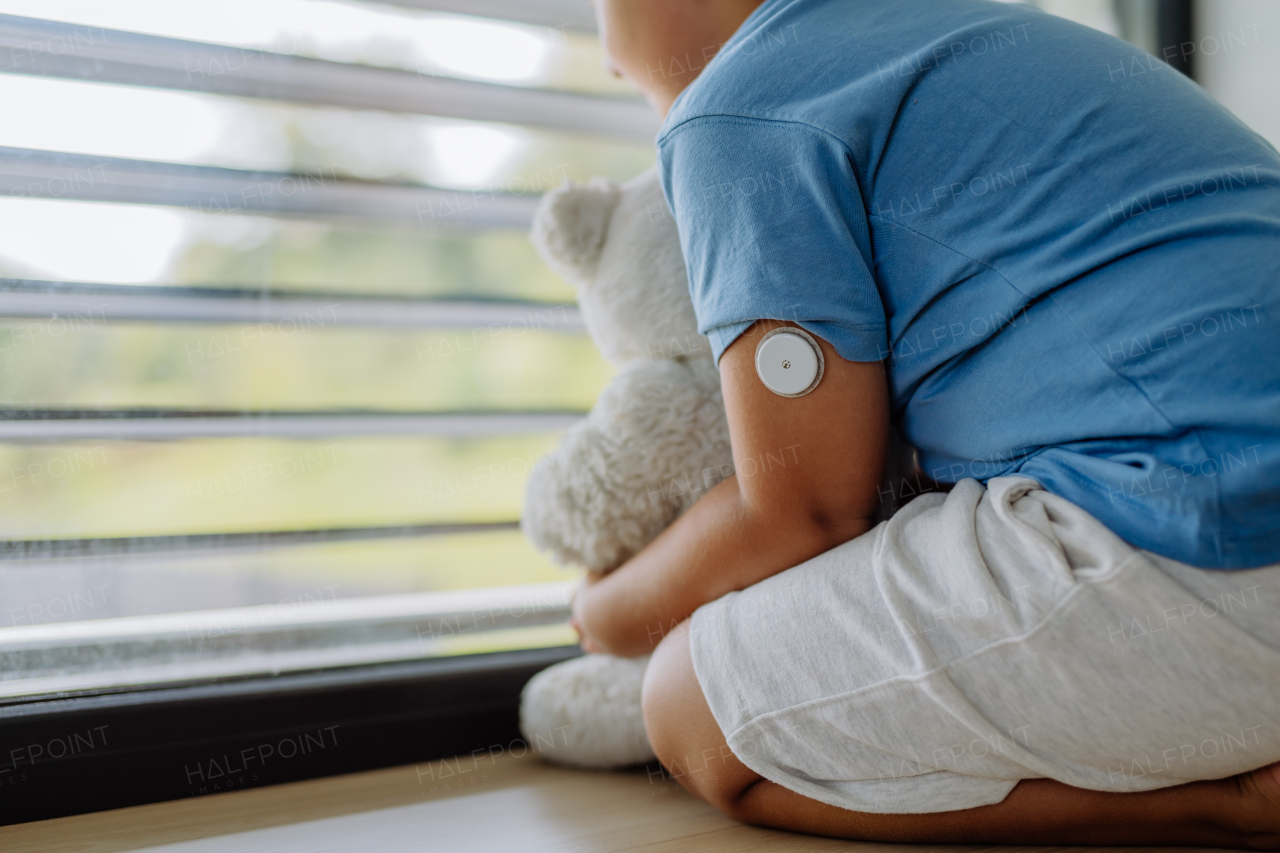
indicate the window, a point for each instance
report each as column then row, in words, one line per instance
column 275, row 360
column 277, row 356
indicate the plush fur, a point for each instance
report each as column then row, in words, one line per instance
column 655, row 441
column 619, row 247
column 586, row 712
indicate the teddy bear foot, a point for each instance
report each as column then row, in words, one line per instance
column 585, row 712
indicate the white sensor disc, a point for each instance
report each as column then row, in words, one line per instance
column 789, row 362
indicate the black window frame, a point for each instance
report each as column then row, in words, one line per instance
column 69, row 755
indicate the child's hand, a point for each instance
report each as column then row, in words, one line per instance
column 579, row 605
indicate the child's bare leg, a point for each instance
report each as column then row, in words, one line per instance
column 1242, row 812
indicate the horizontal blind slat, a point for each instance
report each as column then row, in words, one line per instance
column 570, row 14
column 27, row 173
column 192, row 646
column 123, row 425
column 190, row 544
column 306, row 310
column 69, row 51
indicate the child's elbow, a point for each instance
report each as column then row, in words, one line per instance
column 832, row 526
column 837, row 527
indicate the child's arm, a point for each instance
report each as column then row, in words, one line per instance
column 808, row 475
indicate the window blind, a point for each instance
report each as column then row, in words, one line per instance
column 90, row 427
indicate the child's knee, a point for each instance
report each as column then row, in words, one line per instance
column 668, row 683
column 684, row 733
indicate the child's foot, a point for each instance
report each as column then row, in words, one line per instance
column 1259, row 816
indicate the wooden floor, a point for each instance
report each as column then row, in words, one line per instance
column 512, row 804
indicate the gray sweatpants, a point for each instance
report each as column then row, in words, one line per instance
column 986, row 636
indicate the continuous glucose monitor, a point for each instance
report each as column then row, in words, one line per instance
column 789, row 362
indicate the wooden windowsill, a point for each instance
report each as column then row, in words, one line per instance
column 502, row 804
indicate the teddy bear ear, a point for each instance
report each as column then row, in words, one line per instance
column 570, row 224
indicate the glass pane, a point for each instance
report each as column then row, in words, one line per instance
column 83, row 362
column 281, row 580
column 91, row 489
column 101, row 617
column 372, row 34
column 134, row 244
column 211, row 130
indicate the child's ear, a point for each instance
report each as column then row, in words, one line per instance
column 570, row 224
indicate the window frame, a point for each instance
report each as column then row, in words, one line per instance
column 167, row 743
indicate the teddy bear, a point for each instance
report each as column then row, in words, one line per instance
column 656, row 440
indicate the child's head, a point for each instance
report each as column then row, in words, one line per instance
column 643, row 37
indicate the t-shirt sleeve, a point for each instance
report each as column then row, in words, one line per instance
column 773, row 226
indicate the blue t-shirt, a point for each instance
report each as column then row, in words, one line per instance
column 1067, row 252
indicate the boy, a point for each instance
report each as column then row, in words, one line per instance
column 1057, row 280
